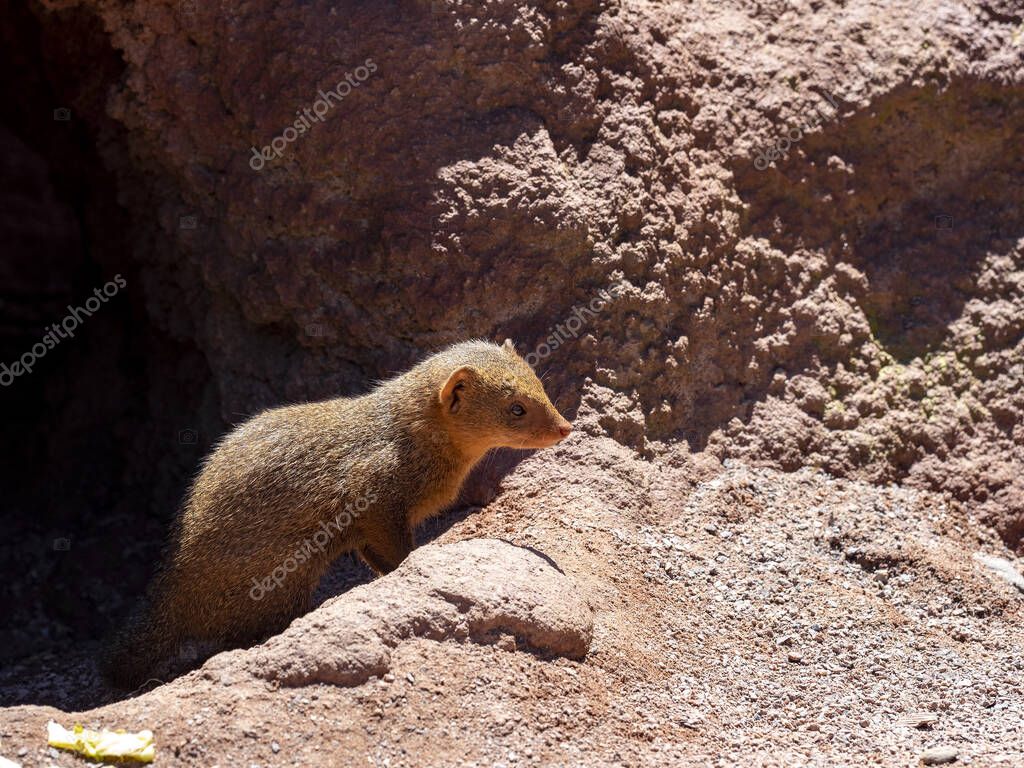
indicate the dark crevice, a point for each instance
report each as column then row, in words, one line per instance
column 98, row 432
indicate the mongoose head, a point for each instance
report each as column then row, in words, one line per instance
column 491, row 398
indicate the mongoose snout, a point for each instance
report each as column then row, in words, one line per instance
column 287, row 492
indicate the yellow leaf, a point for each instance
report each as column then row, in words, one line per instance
column 101, row 745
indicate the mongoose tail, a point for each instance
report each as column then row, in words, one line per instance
column 135, row 651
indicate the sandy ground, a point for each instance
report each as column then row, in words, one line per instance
column 740, row 616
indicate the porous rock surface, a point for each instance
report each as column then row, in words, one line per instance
column 855, row 306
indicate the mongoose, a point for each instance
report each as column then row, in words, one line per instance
column 287, row 492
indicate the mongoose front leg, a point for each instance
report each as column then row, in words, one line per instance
column 387, row 546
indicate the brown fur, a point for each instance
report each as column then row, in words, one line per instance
column 361, row 472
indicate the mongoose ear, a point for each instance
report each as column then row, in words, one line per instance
column 508, row 346
column 450, row 394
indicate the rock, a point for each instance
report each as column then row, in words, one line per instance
column 1002, row 568
column 918, row 720
column 475, row 590
column 462, row 199
column 939, row 755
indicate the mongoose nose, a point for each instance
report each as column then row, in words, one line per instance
column 565, row 429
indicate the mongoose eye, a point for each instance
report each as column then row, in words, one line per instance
column 517, row 410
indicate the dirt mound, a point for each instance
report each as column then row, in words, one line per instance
column 488, row 591
column 740, row 615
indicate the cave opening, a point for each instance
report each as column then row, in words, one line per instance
column 98, row 402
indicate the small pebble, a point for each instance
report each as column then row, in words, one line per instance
column 919, row 720
column 938, row 756
column 796, row 657
column 1003, row 568
column 275, row 747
